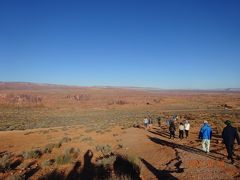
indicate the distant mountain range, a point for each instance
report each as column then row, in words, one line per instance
column 32, row 86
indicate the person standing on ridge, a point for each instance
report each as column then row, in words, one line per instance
column 205, row 134
column 186, row 128
column 229, row 135
column 181, row 130
column 172, row 130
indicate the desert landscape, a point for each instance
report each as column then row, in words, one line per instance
column 70, row 132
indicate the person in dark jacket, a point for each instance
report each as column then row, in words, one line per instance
column 172, row 130
column 229, row 135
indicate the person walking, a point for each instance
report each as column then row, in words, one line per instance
column 146, row 121
column 172, row 130
column 159, row 121
column 150, row 123
column 181, row 130
column 205, row 134
column 186, row 128
column 229, row 135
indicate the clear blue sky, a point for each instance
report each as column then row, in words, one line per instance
column 166, row 44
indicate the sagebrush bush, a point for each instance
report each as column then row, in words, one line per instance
column 105, row 149
column 48, row 148
column 36, row 153
column 5, row 162
column 63, row 159
column 69, row 155
column 65, row 140
column 48, row 162
column 106, row 162
column 15, row 177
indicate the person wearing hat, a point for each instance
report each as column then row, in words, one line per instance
column 205, row 134
column 229, row 135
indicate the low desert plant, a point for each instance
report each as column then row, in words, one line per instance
column 58, row 145
column 65, row 140
column 74, row 152
column 86, row 139
column 68, row 156
column 107, row 161
column 63, row 159
column 15, row 177
column 36, row 153
column 5, row 162
column 105, row 149
column 48, row 162
column 48, row 148
column 127, row 167
column 26, row 164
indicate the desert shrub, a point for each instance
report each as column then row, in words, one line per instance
column 58, row 145
column 15, row 177
column 74, row 152
column 121, row 102
column 48, row 148
column 107, row 161
column 26, row 164
column 86, row 139
column 5, row 162
column 36, row 153
column 120, row 146
column 68, row 156
column 127, row 167
column 65, row 140
column 48, row 162
column 64, row 129
column 63, row 159
column 105, row 149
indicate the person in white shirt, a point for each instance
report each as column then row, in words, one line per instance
column 146, row 122
column 181, row 130
column 186, row 128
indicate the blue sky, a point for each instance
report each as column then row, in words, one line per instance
column 167, row 44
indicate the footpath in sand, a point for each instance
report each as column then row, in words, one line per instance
column 163, row 158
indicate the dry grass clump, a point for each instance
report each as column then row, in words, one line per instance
column 48, row 162
column 5, row 162
column 36, row 153
column 65, row 140
column 69, row 155
column 48, row 148
column 105, row 149
column 15, row 177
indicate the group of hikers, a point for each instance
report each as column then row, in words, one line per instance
column 229, row 133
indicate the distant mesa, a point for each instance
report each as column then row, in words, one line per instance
column 20, row 99
column 79, row 97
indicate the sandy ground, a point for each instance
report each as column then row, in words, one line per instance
column 160, row 157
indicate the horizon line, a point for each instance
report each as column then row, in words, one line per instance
column 125, row 87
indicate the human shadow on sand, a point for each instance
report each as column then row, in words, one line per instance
column 121, row 168
column 160, row 133
column 159, row 174
column 182, row 147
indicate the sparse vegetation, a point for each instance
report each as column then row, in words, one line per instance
column 105, row 149
column 15, row 177
column 48, row 162
column 68, row 156
column 5, row 162
column 107, row 161
column 49, row 147
column 36, row 153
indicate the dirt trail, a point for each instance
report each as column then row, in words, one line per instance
column 161, row 158
column 181, row 159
